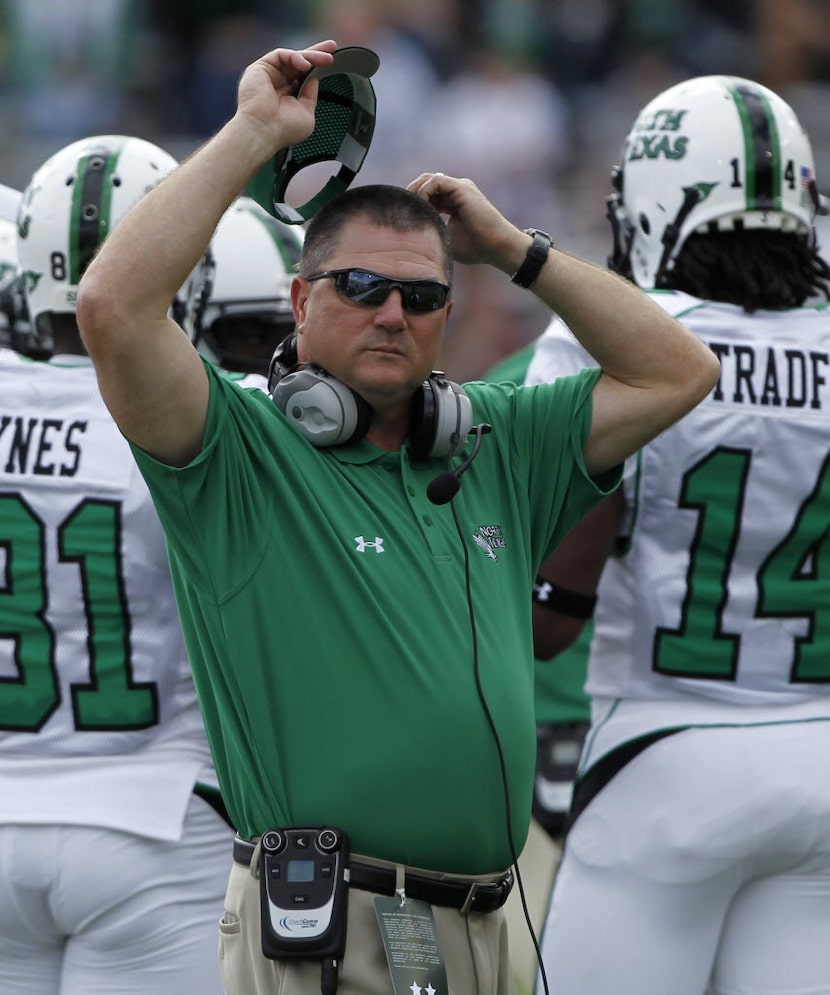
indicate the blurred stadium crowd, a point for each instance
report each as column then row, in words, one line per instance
column 530, row 98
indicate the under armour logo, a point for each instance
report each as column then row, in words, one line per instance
column 363, row 544
column 543, row 591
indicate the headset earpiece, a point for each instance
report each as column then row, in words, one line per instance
column 322, row 408
column 442, row 417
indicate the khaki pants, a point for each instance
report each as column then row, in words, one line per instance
column 474, row 948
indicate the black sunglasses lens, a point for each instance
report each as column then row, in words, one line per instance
column 419, row 296
column 365, row 288
column 424, row 296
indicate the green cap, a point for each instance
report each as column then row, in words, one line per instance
column 344, row 123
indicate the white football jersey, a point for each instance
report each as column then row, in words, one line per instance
column 99, row 722
column 721, row 591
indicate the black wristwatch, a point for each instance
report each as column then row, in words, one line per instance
column 535, row 258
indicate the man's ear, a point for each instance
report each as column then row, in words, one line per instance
column 300, row 289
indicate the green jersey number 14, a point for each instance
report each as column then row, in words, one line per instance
column 792, row 582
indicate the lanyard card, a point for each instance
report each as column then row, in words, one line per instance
column 411, row 942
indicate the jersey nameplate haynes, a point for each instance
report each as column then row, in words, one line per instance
column 46, row 447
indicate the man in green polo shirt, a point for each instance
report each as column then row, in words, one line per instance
column 358, row 626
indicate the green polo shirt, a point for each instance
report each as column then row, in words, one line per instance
column 339, row 624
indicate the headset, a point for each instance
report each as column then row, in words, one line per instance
column 329, row 413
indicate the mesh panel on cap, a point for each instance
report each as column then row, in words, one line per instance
column 331, row 120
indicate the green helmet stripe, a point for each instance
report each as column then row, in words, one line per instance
column 762, row 149
column 91, row 206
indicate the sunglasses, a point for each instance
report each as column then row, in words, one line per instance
column 372, row 289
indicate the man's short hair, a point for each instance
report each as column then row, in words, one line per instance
column 383, row 205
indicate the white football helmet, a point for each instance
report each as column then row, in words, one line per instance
column 247, row 307
column 70, row 205
column 714, row 153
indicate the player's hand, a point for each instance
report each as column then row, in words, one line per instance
column 267, row 93
column 479, row 231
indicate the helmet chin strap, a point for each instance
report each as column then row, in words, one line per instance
column 691, row 195
column 622, row 232
column 621, row 228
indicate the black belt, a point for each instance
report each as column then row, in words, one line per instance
column 472, row 896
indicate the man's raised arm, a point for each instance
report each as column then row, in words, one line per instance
column 150, row 375
column 654, row 370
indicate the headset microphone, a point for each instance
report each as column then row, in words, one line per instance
column 446, row 485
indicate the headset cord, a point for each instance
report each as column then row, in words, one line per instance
column 499, row 750
column 328, row 976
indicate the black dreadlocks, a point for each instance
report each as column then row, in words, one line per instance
column 752, row 269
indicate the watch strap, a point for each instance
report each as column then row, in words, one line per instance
column 535, row 259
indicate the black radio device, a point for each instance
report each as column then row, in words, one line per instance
column 304, row 873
